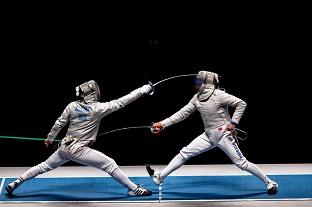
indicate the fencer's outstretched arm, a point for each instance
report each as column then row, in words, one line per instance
column 233, row 101
column 114, row 105
column 182, row 114
column 59, row 124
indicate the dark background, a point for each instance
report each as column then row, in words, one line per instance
column 263, row 58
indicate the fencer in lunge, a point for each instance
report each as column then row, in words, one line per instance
column 84, row 116
column 212, row 104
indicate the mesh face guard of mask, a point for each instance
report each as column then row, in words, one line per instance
column 207, row 78
column 206, row 83
column 89, row 91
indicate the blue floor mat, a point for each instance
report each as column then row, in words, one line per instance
column 174, row 188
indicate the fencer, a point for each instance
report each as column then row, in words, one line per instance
column 212, row 104
column 84, row 116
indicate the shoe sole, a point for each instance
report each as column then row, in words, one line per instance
column 149, row 170
column 273, row 190
column 133, row 194
column 9, row 190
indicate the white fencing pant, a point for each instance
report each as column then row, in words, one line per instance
column 82, row 155
column 203, row 143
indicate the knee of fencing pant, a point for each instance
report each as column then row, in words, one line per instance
column 43, row 167
column 186, row 154
column 110, row 166
column 242, row 164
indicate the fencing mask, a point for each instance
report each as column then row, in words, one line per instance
column 206, row 82
column 89, row 91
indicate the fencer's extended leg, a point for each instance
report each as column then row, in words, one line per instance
column 230, row 147
column 197, row 146
column 173, row 165
column 54, row 161
column 158, row 177
column 94, row 158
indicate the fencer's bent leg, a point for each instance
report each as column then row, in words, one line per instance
column 199, row 145
column 94, row 158
column 229, row 146
column 123, row 179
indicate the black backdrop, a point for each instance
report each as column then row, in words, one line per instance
column 260, row 60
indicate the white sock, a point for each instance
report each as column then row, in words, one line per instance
column 255, row 170
column 17, row 182
column 174, row 164
column 121, row 177
column 32, row 172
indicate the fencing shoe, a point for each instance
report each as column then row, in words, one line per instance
column 139, row 191
column 155, row 174
column 272, row 187
column 12, row 186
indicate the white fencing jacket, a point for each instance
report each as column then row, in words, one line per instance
column 214, row 111
column 84, row 119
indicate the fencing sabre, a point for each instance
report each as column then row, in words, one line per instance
column 176, row 76
column 166, row 79
column 125, row 128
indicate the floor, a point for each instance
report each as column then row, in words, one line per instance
column 139, row 172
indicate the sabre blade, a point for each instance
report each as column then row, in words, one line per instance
column 125, row 128
column 177, row 76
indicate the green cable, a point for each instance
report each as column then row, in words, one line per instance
column 27, row 138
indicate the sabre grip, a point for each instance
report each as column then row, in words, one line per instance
column 156, row 127
column 152, row 91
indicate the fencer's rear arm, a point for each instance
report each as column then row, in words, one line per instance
column 238, row 103
column 59, row 124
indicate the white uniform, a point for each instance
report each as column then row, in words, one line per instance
column 215, row 115
column 84, row 120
